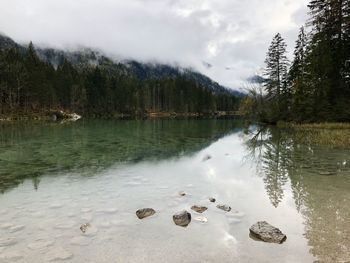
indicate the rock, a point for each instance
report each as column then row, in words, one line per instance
column 5, row 242
column 226, row 208
column 182, row 218
column 201, row 219
column 206, row 158
column 59, row 254
column 267, row 233
column 84, row 227
column 145, row 212
column 88, row 229
column 61, row 115
column 182, row 193
column 199, row 209
column 212, row 199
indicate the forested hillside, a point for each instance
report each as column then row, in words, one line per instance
column 37, row 80
column 315, row 85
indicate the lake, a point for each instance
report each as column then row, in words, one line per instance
column 55, row 177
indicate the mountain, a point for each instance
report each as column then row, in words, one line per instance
column 142, row 71
column 36, row 79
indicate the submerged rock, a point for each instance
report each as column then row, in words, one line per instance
column 84, row 227
column 226, row 208
column 212, row 199
column 199, row 209
column 201, row 219
column 267, row 233
column 145, row 212
column 182, row 218
column 182, row 193
column 206, row 158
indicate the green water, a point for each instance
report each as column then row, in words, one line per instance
column 55, row 177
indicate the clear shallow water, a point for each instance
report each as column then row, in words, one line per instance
column 53, row 178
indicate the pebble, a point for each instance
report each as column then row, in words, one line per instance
column 226, row 208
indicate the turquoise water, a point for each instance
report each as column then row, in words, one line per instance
column 55, row 177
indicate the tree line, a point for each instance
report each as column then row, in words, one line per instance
column 31, row 85
column 315, row 85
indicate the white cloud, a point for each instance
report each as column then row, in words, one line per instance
column 224, row 33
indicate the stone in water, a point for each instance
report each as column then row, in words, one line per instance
column 145, row 212
column 226, row 208
column 199, row 209
column 182, row 218
column 84, row 227
column 267, row 233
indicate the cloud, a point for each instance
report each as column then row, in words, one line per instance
column 231, row 34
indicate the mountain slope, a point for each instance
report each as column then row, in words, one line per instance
column 88, row 81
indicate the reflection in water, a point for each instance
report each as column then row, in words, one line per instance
column 320, row 182
column 101, row 172
column 30, row 150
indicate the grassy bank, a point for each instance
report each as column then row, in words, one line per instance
column 332, row 134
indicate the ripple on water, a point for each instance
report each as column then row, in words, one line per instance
column 80, row 241
column 40, row 244
column 59, row 253
column 6, row 226
column 16, row 228
column 6, row 242
column 10, row 256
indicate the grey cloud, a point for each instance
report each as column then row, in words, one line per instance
column 223, row 33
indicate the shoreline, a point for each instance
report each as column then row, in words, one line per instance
column 67, row 115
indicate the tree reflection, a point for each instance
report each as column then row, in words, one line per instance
column 271, row 152
column 319, row 179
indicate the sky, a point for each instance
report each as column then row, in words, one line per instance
column 225, row 39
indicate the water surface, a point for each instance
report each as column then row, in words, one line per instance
column 55, row 177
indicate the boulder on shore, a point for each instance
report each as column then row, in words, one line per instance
column 199, row 209
column 182, row 218
column 226, row 208
column 267, row 233
column 61, row 115
column 145, row 212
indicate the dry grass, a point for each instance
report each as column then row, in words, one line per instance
column 332, row 134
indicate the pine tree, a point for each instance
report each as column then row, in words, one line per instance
column 298, row 78
column 276, row 73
